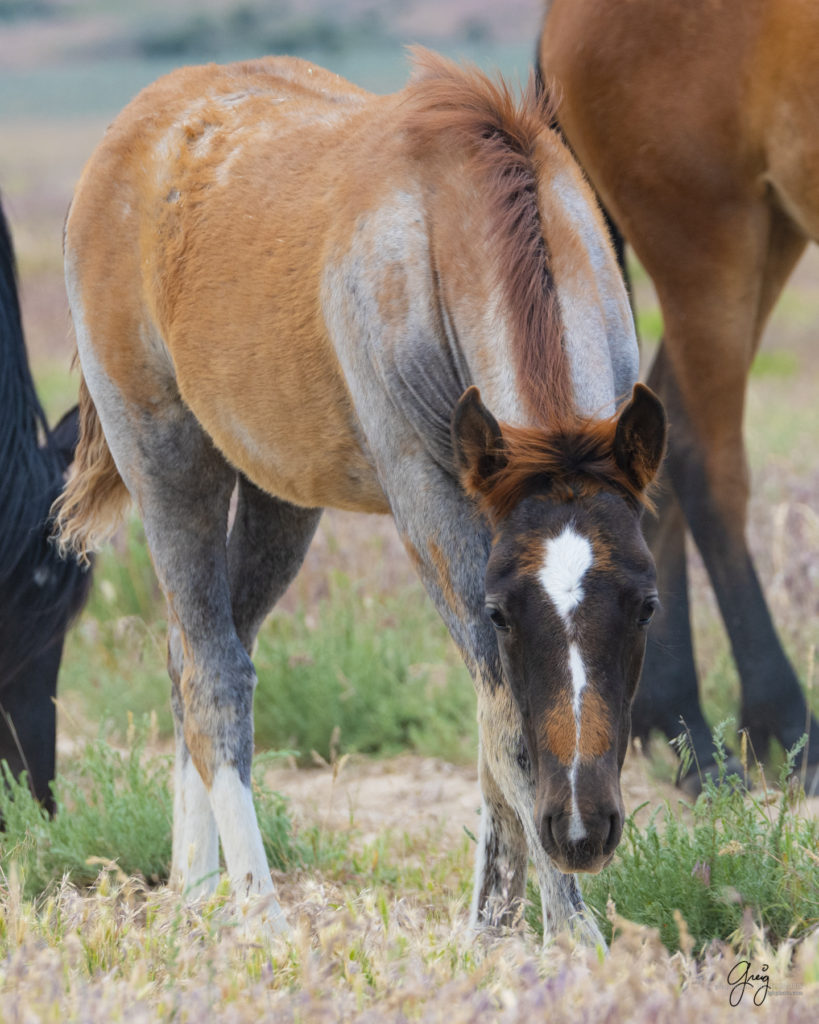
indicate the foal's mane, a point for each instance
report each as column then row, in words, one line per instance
column 504, row 139
column 450, row 106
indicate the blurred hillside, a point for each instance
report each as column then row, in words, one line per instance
column 70, row 37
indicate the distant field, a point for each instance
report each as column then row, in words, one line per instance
column 99, row 88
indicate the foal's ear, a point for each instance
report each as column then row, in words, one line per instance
column 477, row 441
column 639, row 440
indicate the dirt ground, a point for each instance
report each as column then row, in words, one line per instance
column 421, row 795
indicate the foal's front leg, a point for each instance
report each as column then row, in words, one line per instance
column 449, row 548
column 501, row 859
column 508, row 831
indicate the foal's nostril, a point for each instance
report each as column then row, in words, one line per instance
column 547, row 834
column 613, row 838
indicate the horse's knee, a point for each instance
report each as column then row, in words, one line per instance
column 217, row 721
column 502, row 853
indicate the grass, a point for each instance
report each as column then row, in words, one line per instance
column 115, row 809
column 730, row 859
column 120, row 954
column 379, row 926
column 364, row 675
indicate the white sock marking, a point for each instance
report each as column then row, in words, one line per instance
column 195, row 840
column 232, row 804
column 235, row 814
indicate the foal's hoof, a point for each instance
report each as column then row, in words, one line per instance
column 260, row 917
column 732, row 772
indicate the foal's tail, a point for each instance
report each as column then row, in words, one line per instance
column 95, row 498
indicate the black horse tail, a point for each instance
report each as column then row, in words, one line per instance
column 39, row 591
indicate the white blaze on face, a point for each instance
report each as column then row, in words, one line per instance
column 568, row 558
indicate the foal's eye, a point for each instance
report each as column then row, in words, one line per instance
column 649, row 607
column 497, row 618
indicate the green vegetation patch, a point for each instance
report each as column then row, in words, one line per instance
column 350, row 673
column 734, row 857
column 774, row 363
column 114, row 809
column 374, row 676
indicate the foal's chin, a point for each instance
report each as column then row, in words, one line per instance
column 583, row 866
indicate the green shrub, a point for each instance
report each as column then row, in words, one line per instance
column 379, row 675
column 375, row 677
column 730, row 854
column 116, row 807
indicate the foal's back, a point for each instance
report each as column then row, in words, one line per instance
column 204, row 221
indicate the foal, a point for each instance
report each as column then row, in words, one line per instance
column 280, row 279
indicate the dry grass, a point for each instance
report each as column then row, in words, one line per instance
column 124, row 954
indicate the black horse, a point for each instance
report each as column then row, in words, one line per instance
column 40, row 593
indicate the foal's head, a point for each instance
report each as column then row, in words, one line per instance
column 570, row 592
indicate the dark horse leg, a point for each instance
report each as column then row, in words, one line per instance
column 668, row 695
column 28, row 722
column 704, row 395
column 39, row 593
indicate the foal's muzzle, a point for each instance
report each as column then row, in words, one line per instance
column 579, row 815
column 589, row 852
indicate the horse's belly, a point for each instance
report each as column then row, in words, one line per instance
column 315, row 461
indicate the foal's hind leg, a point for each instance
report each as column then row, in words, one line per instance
column 267, row 545
column 182, row 486
column 183, row 489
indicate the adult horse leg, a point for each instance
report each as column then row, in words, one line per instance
column 668, row 696
column 703, row 387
